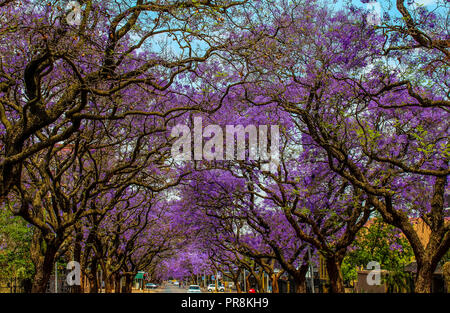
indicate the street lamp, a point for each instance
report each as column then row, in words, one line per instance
column 311, row 270
column 245, row 282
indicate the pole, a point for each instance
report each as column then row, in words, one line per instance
column 101, row 281
column 56, row 273
column 262, row 280
column 245, row 282
column 311, row 271
column 217, row 287
column 56, row 277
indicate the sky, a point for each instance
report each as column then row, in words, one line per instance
column 389, row 5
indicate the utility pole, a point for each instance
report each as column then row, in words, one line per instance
column 56, row 276
column 311, row 270
column 217, row 287
column 56, row 273
column 101, row 281
column 245, row 282
column 262, row 280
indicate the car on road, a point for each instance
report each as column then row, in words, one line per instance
column 194, row 289
column 151, row 286
column 212, row 287
column 176, row 283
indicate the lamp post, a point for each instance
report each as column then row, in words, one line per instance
column 245, row 282
column 311, row 270
column 217, row 287
column 56, row 276
column 56, row 273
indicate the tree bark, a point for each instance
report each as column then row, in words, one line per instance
column 424, row 278
column 43, row 258
column 117, row 279
column 93, row 284
column 109, row 283
column 77, row 258
column 238, row 286
column 333, row 264
column 260, row 282
column 300, row 284
column 247, row 282
column 300, row 278
column 128, row 283
column 236, row 282
column 92, row 276
column 275, row 287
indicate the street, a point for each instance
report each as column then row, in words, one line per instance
column 164, row 288
column 167, row 288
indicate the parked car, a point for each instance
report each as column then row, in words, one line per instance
column 252, row 290
column 176, row 283
column 151, row 286
column 212, row 287
column 194, row 289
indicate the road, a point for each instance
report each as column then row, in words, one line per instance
column 168, row 288
column 165, row 288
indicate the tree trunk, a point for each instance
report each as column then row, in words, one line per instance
column 424, row 279
column 128, row 283
column 43, row 259
column 275, row 288
column 92, row 276
column 300, row 285
column 300, row 278
column 247, row 282
column 109, row 283
column 77, row 258
column 238, row 286
column 236, row 283
column 93, row 283
column 41, row 277
column 333, row 265
column 260, row 283
column 117, row 283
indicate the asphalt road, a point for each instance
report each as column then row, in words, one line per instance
column 167, row 288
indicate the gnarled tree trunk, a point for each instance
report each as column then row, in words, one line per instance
column 109, row 283
column 93, row 284
column 128, row 283
column 117, row 279
column 43, row 254
column 275, row 287
column 333, row 264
